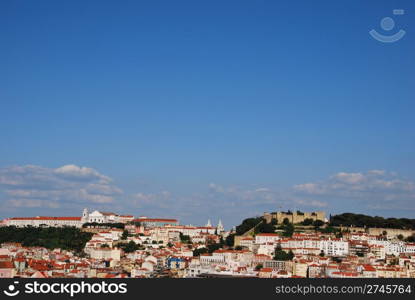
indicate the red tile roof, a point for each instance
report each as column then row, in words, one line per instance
column 47, row 218
column 155, row 220
column 6, row 265
column 266, row 270
column 369, row 268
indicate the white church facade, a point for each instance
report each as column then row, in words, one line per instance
column 104, row 217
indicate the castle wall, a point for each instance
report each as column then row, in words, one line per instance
column 390, row 232
column 294, row 217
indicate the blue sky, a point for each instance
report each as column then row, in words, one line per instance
column 205, row 109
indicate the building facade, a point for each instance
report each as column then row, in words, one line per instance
column 45, row 222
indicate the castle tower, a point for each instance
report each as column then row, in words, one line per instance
column 209, row 224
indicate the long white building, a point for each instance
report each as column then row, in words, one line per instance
column 94, row 217
column 45, row 221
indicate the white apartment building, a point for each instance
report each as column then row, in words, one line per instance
column 334, row 247
column 409, row 248
column 392, row 248
column 191, row 231
column 263, row 238
column 105, row 253
column 247, row 242
column 207, row 260
column 266, row 249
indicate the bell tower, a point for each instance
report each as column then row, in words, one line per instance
column 220, row 227
column 85, row 216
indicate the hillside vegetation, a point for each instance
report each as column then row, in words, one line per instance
column 359, row 220
column 67, row 238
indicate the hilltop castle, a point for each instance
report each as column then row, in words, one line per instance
column 294, row 217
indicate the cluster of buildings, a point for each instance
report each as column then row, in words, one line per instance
column 164, row 248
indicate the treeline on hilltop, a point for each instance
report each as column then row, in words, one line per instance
column 67, row 238
column 261, row 226
column 359, row 220
column 248, row 224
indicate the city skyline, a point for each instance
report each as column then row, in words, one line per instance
column 202, row 111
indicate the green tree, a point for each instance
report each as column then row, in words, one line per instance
column 280, row 254
column 359, row 220
column 410, row 239
column 221, row 242
column 230, row 239
column 184, row 238
column 258, row 267
column 199, row 251
column 66, row 238
column 248, row 224
column 131, row 247
column 318, row 223
column 213, row 247
column 307, row 222
column 288, row 230
column 124, row 235
column 264, row 228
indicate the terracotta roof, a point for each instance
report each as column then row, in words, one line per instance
column 155, row 220
column 266, row 270
column 6, row 265
column 47, row 218
column 369, row 268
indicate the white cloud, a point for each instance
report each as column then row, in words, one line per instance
column 153, row 200
column 83, row 173
column 266, row 197
column 313, row 203
column 31, row 203
column 357, row 183
column 37, row 186
column 351, row 178
column 260, row 190
column 370, row 188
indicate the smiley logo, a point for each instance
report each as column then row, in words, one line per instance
column 387, row 24
column 11, row 290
